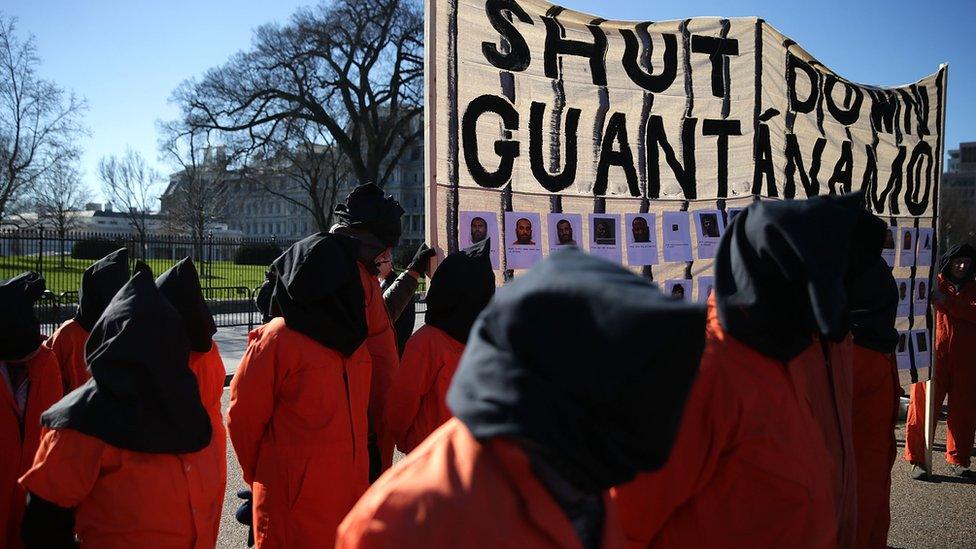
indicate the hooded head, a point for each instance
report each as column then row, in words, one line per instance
column 20, row 331
column 263, row 300
column 872, row 290
column 319, row 293
column 142, row 395
column 780, row 273
column 461, row 287
column 181, row 286
column 959, row 251
column 584, row 363
column 367, row 208
column 99, row 283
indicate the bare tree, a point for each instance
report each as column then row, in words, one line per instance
column 353, row 67
column 58, row 197
column 133, row 187
column 39, row 121
column 302, row 167
column 197, row 193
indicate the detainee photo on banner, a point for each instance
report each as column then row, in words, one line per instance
column 534, row 108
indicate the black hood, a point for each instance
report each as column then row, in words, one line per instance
column 586, row 363
column 780, row 273
column 263, row 300
column 461, row 287
column 872, row 290
column 368, row 208
column 369, row 245
column 20, row 331
column 319, row 293
column 142, row 395
column 958, row 250
column 99, row 283
column 181, row 286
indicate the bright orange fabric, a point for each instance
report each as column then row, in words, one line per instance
column 955, row 376
column 68, row 344
column 828, row 388
column 209, row 371
column 453, row 491
column 381, row 343
column 123, row 498
column 749, row 467
column 416, row 405
column 16, row 451
column 875, row 414
column 297, row 420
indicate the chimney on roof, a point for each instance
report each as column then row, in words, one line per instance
column 108, row 207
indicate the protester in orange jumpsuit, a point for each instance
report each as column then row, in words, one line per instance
column 116, row 465
column 298, row 410
column 873, row 303
column 459, row 290
column 373, row 218
column 573, row 380
column 99, row 283
column 750, row 466
column 181, row 286
column 955, row 369
column 29, row 383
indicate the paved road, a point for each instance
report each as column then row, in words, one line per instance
column 924, row 514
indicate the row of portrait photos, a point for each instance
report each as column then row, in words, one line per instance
column 638, row 233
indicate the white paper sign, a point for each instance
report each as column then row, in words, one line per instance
column 906, row 242
column 475, row 227
column 564, row 230
column 705, row 286
column 888, row 251
column 641, row 230
column 920, row 345
column 926, row 238
column 680, row 288
column 921, row 294
column 522, row 235
column 605, row 236
column 903, row 352
column 708, row 228
column 905, row 294
column 677, row 236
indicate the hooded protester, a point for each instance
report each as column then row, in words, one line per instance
column 30, row 384
column 181, row 286
column 298, row 408
column 462, row 286
column 373, row 219
column 99, row 283
column 751, row 461
column 873, row 302
column 263, row 300
column 955, row 371
column 573, row 380
column 113, row 467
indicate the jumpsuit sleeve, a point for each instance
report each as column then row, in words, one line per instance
column 645, row 504
column 399, row 294
column 413, row 379
column 60, row 344
column 381, row 343
column 962, row 305
column 251, row 403
column 65, row 469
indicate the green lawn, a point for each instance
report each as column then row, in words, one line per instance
column 68, row 278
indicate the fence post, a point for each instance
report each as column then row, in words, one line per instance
column 40, row 250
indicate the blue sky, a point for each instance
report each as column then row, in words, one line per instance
column 125, row 58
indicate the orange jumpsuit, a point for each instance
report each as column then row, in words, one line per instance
column 747, row 468
column 955, row 376
column 209, row 371
column 123, row 498
column 383, row 355
column 16, row 449
column 416, row 405
column 297, row 420
column 68, row 344
column 875, row 414
column 454, row 491
column 828, row 388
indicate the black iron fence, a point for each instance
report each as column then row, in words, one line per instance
column 230, row 268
